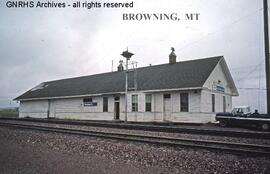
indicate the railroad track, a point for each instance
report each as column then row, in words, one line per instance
column 239, row 148
column 154, row 128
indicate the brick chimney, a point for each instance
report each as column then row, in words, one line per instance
column 172, row 57
column 120, row 66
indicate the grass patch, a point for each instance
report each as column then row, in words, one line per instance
column 14, row 113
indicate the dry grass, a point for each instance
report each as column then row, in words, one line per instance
column 9, row 112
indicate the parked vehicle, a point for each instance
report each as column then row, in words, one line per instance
column 242, row 116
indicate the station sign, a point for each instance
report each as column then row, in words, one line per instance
column 90, row 103
column 218, row 87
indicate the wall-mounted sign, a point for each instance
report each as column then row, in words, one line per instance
column 218, row 87
column 90, row 103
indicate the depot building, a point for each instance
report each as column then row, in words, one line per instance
column 185, row 91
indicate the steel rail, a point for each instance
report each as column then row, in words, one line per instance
column 153, row 128
column 240, row 148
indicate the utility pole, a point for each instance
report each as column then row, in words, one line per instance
column 127, row 55
column 134, row 66
column 112, row 65
column 267, row 62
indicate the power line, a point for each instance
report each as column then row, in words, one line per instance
column 222, row 28
column 251, row 71
column 251, row 88
column 235, row 69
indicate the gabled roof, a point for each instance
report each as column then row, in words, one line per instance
column 229, row 77
column 185, row 74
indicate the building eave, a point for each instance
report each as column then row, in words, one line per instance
column 111, row 93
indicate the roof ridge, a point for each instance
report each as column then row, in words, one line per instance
column 182, row 74
column 85, row 76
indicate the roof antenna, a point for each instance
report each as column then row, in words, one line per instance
column 112, row 65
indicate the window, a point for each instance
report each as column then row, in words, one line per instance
column 213, row 102
column 148, row 102
column 167, row 95
column 105, row 104
column 134, row 103
column 224, row 104
column 184, row 102
column 89, row 102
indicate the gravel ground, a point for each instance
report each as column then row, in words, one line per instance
column 26, row 151
column 32, row 153
column 141, row 132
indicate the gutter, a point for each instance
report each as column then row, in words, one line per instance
column 111, row 93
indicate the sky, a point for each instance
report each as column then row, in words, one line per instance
column 44, row 44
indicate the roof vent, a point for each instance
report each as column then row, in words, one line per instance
column 120, row 66
column 172, row 56
column 40, row 86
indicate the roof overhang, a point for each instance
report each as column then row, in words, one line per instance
column 111, row 93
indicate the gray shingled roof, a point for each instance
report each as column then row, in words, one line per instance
column 185, row 74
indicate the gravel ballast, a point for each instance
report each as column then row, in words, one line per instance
column 253, row 140
column 27, row 151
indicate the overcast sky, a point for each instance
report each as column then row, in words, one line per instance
column 39, row 45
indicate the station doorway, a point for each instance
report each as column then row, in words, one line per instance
column 117, row 108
